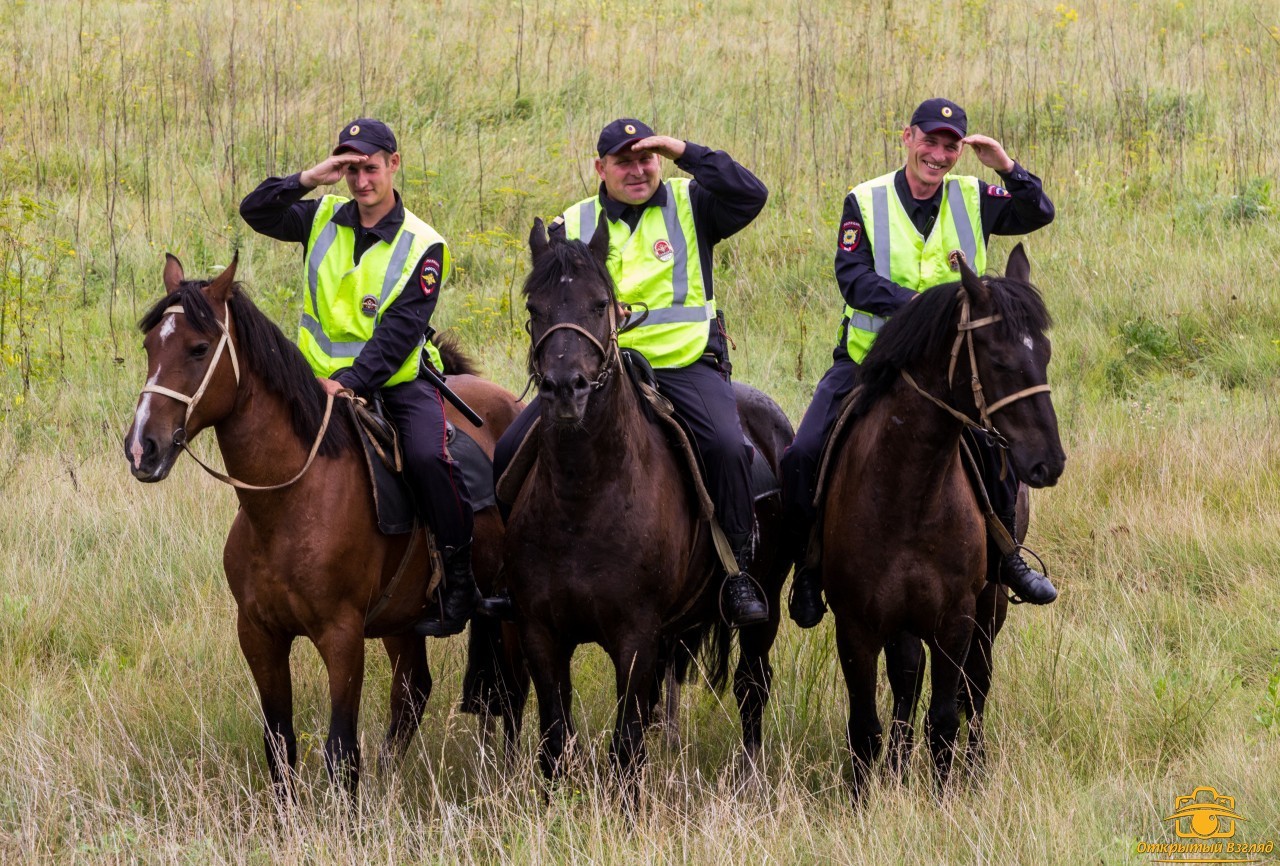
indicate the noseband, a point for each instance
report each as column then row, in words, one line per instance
column 609, row 354
column 180, row 435
column 964, row 336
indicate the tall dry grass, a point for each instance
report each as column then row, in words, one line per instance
column 130, row 724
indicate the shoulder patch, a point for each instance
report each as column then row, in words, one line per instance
column 430, row 277
column 850, row 235
column 997, row 191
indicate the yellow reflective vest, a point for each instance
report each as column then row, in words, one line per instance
column 905, row 256
column 657, row 265
column 345, row 302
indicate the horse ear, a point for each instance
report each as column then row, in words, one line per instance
column 970, row 280
column 599, row 245
column 173, row 273
column 537, row 239
column 1019, row 267
column 223, row 285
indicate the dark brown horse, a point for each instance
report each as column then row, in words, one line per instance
column 604, row 544
column 304, row 556
column 905, row 545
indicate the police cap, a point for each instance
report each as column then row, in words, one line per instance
column 622, row 132
column 366, row 135
column 937, row 113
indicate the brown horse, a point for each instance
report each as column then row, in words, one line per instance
column 905, row 545
column 604, row 544
column 304, row 556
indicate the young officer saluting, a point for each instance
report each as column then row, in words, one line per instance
column 373, row 273
column 661, row 235
column 893, row 243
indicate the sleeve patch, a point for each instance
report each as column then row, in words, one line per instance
column 997, row 191
column 850, row 235
column 430, row 277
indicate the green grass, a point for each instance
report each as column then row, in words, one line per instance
column 131, row 729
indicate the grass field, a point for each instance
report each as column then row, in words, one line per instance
column 129, row 728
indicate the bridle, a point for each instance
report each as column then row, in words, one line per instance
column 964, row 336
column 180, row 435
column 610, row 353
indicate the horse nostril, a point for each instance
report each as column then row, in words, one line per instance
column 1039, row 475
column 580, row 383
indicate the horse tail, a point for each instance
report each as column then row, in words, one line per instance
column 456, row 362
column 709, row 642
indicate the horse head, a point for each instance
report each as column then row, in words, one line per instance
column 1001, row 334
column 192, row 370
column 573, row 320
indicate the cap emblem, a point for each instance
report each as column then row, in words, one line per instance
column 354, row 130
column 630, row 128
column 946, row 111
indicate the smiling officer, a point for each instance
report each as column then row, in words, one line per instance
column 920, row 213
column 373, row 273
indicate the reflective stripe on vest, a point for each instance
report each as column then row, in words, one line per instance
column 958, row 227
column 673, row 346
column 388, row 264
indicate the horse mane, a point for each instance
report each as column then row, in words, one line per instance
column 456, row 362
column 929, row 322
column 263, row 347
column 561, row 258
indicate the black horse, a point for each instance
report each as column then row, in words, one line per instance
column 604, row 544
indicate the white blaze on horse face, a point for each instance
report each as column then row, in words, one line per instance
column 140, row 418
column 170, row 325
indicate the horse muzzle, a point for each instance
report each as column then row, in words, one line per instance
column 149, row 460
column 566, row 396
column 1043, row 472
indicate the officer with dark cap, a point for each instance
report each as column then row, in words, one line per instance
column 373, row 273
column 922, row 212
column 661, row 236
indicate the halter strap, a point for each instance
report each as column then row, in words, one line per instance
column 180, row 435
column 964, row 336
column 610, row 354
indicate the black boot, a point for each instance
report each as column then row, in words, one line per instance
column 740, row 597
column 1027, row 583
column 806, row 605
column 457, row 594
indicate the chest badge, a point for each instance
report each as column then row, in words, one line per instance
column 369, row 305
column 662, row 250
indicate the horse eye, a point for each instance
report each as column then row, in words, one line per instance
column 601, row 307
column 199, row 350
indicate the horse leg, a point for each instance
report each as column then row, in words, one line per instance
column 410, row 688
column 671, row 708
column 858, row 657
column 268, row 658
column 904, row 660
column 495, row 682
column 976, row 684
column 752, row 680
column 947, row 653
column 342, row 649
column 633, row 663
column 549, row 665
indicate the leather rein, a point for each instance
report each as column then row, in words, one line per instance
column 180, row 435
column 964, row 336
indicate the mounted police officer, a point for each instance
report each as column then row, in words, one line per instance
column 661, row 236
column 894, row 240
column 373, row 273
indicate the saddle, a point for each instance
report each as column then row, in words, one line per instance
column 659, row 410
column 393, row 499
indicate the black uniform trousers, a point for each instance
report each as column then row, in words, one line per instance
column 417, row 410
column 703, row 398
column 800, row 460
